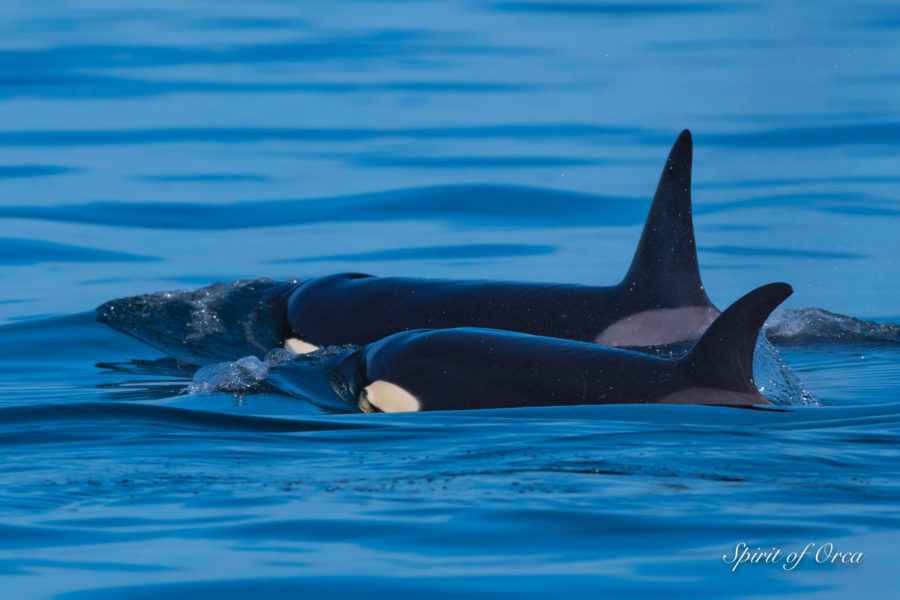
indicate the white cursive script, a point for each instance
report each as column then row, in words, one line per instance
column 825, row 554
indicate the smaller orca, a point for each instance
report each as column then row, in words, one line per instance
column 470, row 368
column 661, row 299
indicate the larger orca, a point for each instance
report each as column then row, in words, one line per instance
column 661, row 299
column 470, row 368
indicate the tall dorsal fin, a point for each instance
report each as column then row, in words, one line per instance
column 664, row 268
column 723, row 357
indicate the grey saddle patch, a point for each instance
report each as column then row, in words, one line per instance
column 704, row 395
column 659, row 326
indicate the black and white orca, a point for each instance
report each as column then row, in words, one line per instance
column 471, row 368
column 661, row 300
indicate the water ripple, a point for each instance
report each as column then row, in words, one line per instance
column 778, row 252
column 360, row 47
column 461, row 251
column 482, row 204
column 636, row 9
column 127, row 137
column 14, row 171
column 810, row 137
column 69, row 86
column 25, row 252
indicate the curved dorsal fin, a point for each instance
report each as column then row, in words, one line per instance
column 664, row 268
column 723, row 357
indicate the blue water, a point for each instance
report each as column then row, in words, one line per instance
column 157, row 146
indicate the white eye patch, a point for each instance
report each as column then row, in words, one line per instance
column 298, row 346
column 387, row 397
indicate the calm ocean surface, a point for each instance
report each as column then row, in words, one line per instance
column 159, row 146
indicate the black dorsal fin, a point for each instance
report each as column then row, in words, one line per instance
column 723, row 357
column 664, row 269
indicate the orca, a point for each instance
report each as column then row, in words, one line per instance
column 661, row 299
column 472, row 368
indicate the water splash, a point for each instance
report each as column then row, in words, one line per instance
column 215, row 323
column 797, row 326
column 243, row 376
column 776, row 380
column 250, row 375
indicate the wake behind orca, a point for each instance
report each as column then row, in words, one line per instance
column 661, row 299
column 470, row 368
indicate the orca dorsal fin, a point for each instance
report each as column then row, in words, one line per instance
column 723, row 357
column 664, row 269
